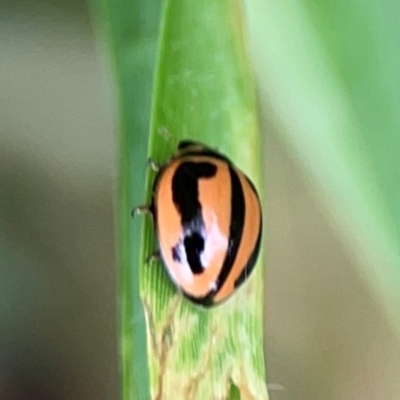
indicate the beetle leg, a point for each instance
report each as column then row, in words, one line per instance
column 143, row 209
column 153, row 257
column 155, row 166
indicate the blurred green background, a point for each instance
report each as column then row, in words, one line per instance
column 326, row 335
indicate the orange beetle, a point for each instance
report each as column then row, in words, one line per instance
column 208, row 221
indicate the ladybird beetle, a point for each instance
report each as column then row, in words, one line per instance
column 208, row 221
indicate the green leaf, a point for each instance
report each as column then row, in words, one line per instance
column 130, row 30
column 205, row 92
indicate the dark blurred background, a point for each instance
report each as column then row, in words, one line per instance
column 325, row 336
column 57, row 267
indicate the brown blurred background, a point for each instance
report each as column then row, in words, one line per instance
column 57, row 274
column 325, row 337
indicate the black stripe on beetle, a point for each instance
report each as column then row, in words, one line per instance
column 252, row 260
column 236, row 226
column 235, row 237
column 185, row 195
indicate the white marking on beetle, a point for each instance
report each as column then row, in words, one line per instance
column 215, row 242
